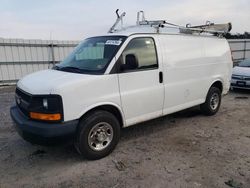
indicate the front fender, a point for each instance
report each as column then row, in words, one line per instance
column 91, row 107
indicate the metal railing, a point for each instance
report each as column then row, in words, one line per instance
column 240, row 49
column 21, row 57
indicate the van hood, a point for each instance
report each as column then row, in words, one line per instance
column 48, row 81
column 243, row 71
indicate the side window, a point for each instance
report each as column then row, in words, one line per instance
column 139, row 54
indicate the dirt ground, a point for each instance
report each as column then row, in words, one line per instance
column 181, row 150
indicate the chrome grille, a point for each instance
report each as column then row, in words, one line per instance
column 23, row 100
column 239, row 77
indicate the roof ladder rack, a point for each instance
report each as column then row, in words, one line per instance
column 210, row 28
column 143, row 21
column 118, row 20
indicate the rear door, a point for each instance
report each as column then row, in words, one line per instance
column 141, row 87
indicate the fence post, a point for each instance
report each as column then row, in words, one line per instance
column 52, row 53
column 245, row 49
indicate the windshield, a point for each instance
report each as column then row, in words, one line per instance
column 92, row 56
column 245, row 63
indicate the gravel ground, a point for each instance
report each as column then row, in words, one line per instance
column 181, row 150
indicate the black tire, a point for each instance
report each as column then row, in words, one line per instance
column 86, row 126
column 208, row 108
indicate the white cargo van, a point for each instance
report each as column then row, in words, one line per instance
column 120, row 79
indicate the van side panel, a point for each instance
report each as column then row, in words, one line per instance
column 190, row 69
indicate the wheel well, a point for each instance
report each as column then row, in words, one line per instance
column 218, row 84
column 109, row 108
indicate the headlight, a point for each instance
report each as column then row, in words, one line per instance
column 46, row 108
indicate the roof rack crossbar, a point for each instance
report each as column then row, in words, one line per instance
column 212, row 27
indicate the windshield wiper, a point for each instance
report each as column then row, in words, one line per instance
column 244, row 66
column 55, row 67
column 75, row 70
column 70, row 69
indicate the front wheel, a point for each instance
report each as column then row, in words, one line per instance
column 212, row 103
column 98, row 134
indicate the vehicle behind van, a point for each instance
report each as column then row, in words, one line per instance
column 122, row 78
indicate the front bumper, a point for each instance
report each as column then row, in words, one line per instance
column 241, row 84
column 40, row 132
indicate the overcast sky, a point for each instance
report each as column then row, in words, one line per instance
column 76, row 19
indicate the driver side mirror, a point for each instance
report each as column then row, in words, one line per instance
column 131, row 63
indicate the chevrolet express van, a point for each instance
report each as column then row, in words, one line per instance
column 120, row 79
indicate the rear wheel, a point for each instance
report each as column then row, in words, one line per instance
column 212, row 103
column 98, row 134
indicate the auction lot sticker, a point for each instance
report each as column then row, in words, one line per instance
column 113, row 42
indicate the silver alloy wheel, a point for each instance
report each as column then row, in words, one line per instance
column 100, row 136
column 214, row 101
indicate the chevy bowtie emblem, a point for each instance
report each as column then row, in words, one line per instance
column 18, row 99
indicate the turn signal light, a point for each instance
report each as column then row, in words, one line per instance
column 45, row 117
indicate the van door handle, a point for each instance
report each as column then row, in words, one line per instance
column 160, row 77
